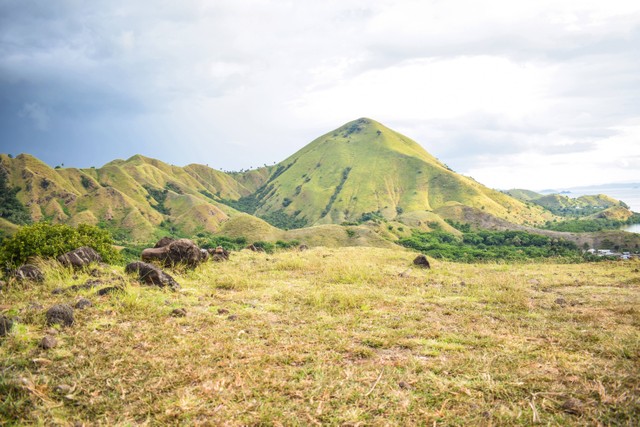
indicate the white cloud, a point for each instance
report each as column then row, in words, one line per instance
column 497, row 89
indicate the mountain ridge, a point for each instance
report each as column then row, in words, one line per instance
column 358, row 171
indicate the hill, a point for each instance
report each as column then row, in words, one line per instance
column 366, row 168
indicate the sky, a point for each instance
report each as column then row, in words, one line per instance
column 517, row 94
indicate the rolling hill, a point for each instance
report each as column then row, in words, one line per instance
column 355, row 173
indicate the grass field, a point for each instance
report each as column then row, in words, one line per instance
column 350, row 336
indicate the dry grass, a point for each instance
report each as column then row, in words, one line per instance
column 334, row 337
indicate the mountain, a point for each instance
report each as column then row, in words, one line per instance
column 365, row 168
column 563, row 205
column 359, row 171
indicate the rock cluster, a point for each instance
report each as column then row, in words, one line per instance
column 80, row 258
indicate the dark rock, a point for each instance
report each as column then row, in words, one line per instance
column 232, row 317
column 151, row 275
column 561, row 301
column 223, row 311
column 422, row 261
column 60, row 314
column 164, row 242
column 255, row 248
column 303, row 248
column 48, row 342
column 108, row 290
column 219, row 254
column 95, row 273
column 5, row 326
column 204, row 255
column 179, row 312
column 179, row 252
column 29, row 272
column 83, row 303
column 573, row 406
column 80, row 258
column 404, row 385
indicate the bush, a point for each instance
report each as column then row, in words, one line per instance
column 51, row 240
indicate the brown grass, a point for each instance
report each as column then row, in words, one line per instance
column 333, row 337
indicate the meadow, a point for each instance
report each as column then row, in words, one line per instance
column 345, row 336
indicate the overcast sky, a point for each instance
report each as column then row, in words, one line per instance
column 530, row 94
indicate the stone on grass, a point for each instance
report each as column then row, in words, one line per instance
column 219, row 254
column 179, row 312
column 83, row 303
column 29, row 272
column 80, row 258
column 422, row 261
column 179, row 252
column 48, row 342
column 60, row 314
column 151, row 275
column 164, row 242
column 5, row 326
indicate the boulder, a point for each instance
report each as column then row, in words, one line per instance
column 80, row 258
column 60, row 314
column 164, row 242
column 48, row 342
column 303, row 248
column 29, row 272
column 83, row 303
column 179, row 252
column 254, row 248
column 422, row 261
column 219, row 254
column 5, row 326
column 151, row 275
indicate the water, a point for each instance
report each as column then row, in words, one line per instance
column 633, row 228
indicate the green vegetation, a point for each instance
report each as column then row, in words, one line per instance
column 209, row 241
column 51, row 240
column 283, row 220
column 336, row 337
column 10, row 207
column 491, row 245
column 160, row 196
column 591, row 225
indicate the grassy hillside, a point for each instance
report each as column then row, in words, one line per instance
column 524, row 195
column 364, row 167
column 137, row 199
column 351, row 336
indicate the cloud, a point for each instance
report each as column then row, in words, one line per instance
column 239, row 84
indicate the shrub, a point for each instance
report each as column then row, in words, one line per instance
column 51, row 240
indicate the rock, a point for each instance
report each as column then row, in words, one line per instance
column 63, row 389
column 29, row 272
column 232, row 317
column 60, row 314
column 80, row 258
column 151, row 275
column 219, row 254
column 204, row 255
column 303, row 248
column 83, row 303
column 48, row 342
column 404, row 385
column 422, row 261
column 5, row 326
column 164, row 242
column 223, row 311
column 573, row 406
column 561, row 301
column 108, row 290
column 179, row 252
column 254, row 248
column 179, row 312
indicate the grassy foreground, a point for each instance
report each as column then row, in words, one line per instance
column 351, row 336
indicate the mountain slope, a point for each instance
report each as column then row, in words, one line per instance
column 365, row 167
